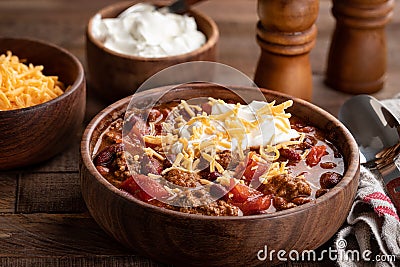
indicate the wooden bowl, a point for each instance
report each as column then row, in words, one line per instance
column 113, row 75
column 35, row 134
column 180, row 238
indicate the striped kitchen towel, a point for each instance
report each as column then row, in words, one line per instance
column 373, row 228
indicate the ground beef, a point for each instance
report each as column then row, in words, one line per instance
column 182, row 178
column 224, row 158
column 287, row 187
column 282, row 204
column 216, row 208
column 114, row 133
column 121, row 170
column 227, row 160
column 288, row 191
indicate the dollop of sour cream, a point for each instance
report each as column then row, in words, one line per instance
column 237, row 127
column 144, row 31
column 267, row 130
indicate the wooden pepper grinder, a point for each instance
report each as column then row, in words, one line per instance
column 286, row 34
column 357, row 57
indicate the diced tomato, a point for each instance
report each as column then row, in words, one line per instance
column 165, row 112
column 158, row 127
column 206, row 107
column 315, row 155
column 130, row 186
column 254, row 205
column 140, row 128
column 144, row 188
column 151, row 165
column 133, row 145
column 253, row 169
column 242, row 193
column 154, row 115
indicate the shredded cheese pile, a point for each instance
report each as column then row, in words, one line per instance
column 202, row 136
column 24, row 85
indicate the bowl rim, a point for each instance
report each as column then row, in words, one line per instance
column 80, row 79
column 210, row 41
column 352, row 171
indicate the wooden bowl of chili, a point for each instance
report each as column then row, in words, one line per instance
column 180, row 238
column 33, row 134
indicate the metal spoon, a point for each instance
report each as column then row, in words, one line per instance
column 377, row 132
column 178, row 7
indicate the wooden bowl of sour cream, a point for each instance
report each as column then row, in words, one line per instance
column 113, row 75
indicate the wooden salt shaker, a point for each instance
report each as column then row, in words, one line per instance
column 286, row 34
column 357, row 57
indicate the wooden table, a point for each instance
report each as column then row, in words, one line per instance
column 43, row 219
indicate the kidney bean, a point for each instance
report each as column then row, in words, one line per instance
column 301, row 200
column 310, row 140
column 328, row 165
column 329, row 179
column 321, row 192
column 296, row 124
column 281, row 203
column 336, row 152
column 307, row 129
column 290, row 154
column 107, row 155
column 212, row 176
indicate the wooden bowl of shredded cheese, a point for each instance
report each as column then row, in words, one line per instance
column 42, row 101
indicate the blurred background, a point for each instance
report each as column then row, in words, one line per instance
column 63, row 22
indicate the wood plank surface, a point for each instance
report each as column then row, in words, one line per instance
column 67, row 161
column 49, row 192
column 65, row 240
column 54, row 235
column 8, row 187
column 43, row 219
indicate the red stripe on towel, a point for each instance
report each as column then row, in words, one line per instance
column 382, row 210
column 377, row 196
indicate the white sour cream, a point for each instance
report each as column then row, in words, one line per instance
column 269, row 128
column 144, row 31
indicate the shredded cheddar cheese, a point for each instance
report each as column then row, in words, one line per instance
column 275, row 169
column 201, row 136
column 152, row 153
column 24, row 85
